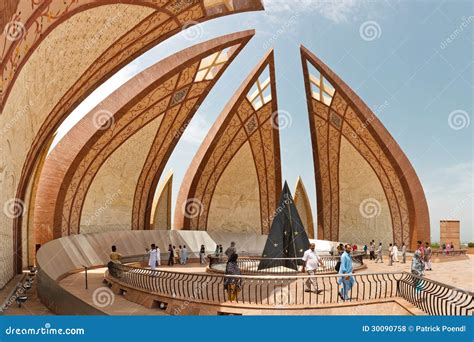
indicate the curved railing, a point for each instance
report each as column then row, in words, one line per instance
column 454, row 252
column 258, row 265
column 289, row 291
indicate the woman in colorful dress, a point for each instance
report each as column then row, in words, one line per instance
column 231, row 284
column 418, row 266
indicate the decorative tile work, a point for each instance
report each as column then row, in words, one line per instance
column 171, row 130
column 243, row 123
column 327, row 103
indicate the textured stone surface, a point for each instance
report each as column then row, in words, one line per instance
column 110, row 197
column 38, row 88
column 364, row 215
column 235, row 206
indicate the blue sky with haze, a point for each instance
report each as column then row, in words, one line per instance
column 412, row 65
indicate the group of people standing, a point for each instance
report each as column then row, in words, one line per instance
column 179, row 255
column 393, row 253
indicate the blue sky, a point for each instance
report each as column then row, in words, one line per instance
column 412, row 65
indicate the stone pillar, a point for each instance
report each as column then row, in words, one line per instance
column 450, row 232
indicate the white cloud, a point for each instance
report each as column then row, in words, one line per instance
column 338, row 11
column 196, row 130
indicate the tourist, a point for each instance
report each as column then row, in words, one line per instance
column 115, row 256
column 221, row 250
column 176, row 254
column 202, row 255
column 231, row 250
column 346, row 281
column 354, row 248
column 184, row 255
column 452, row 246
column 158, row 255
column 448, row 248
column 427, row 258
column 152, row 259
column 418, row 266
column 365, row 250
column 170, row 255
column 443, row 248
column 340, row 249
column 232, row 284
column 372, row 250
column 379, row 254
column 390, row 255
column 395, row 253
column 216, row 252
column 311, row 262
column 404, row 253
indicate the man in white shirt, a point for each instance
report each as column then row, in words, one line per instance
column 311, row 262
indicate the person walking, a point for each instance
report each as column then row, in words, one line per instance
column 170, row 255
column 372, row 250
column 404, row 253
column 365, row 250
column 232, row 284
column 216, row 252
column 177, row 256
column 202, row 255
column 427, row 258
column 152, row 258
column 184, row 255
column 379, row 254
column 395, row 253
column 390, row 255
column 311, row 262
column 231, row 249
column 347, row 281
column 158, row 255
column 418, row 266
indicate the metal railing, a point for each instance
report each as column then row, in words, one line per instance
column 291, row 291
column 454, row 252
column 258, row 265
